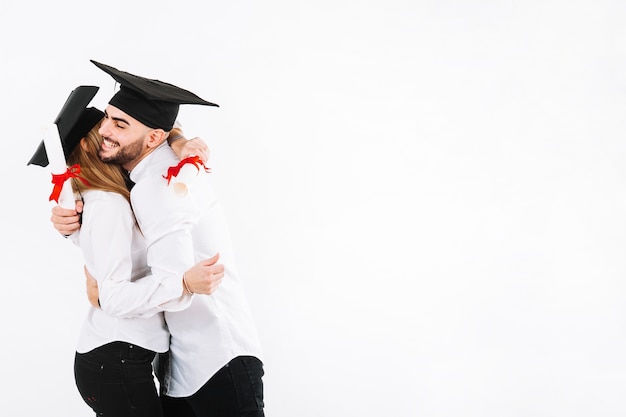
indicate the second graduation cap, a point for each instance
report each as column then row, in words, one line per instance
column 74, row 121
column 154, row 103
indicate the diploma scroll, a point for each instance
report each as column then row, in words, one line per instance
column 181, row 176
column 184, row 179
column 58, row 167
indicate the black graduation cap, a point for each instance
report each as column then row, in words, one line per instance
column 74, row 121
column 154, row 103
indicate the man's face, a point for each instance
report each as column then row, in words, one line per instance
column 123, row 138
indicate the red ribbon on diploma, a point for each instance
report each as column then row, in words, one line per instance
column 194, row 160
column 59, row 179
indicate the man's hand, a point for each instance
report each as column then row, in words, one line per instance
column 92, row 289
column 67, row 221
column 205, row 276
column 196, row 146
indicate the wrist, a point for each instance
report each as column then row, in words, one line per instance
column 185, row 285
column 171, row 140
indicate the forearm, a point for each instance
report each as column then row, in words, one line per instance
column 177, row 140
column 184, row 147
column 169, row 255
column 144, row 297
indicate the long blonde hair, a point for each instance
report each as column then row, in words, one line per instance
column 99, row 175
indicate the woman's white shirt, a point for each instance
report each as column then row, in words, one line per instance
column 114, row 250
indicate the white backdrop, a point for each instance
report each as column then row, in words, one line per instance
column 427, row 198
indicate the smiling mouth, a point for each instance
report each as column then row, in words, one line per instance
column 109, row 144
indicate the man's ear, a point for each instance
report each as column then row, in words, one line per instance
column 156, row 137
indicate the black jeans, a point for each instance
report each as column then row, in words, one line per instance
column 116, row 380
column 236, row 390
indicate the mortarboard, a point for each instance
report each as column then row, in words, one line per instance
column 154, row 103
column 74, row 121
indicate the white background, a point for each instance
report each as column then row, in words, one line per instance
column 427, row 198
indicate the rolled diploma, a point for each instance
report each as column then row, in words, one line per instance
column 184, row 179
column 57, row 164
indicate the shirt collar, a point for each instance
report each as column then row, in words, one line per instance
column 142, row 167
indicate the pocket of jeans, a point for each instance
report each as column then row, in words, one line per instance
column 138, row 371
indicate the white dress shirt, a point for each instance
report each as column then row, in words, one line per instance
column 114, row 250
column 206, row 331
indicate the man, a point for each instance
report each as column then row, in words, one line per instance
column 215, row 364
column 114, row 356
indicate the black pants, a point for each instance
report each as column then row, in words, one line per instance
column 236, row 390
column 116, row 380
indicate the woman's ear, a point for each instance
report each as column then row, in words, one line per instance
column 83, row 144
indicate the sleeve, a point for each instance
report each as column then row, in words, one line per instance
column 108, row 236
column 165, row 225
column 75, row 237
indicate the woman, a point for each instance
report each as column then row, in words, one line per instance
column 113, row 362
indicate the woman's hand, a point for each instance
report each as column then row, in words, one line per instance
column 67, row 221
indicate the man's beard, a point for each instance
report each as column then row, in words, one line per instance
column 124, row 154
